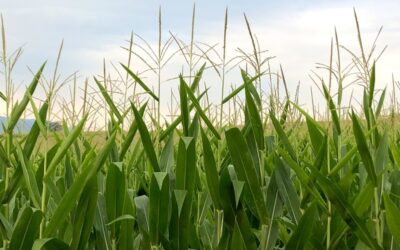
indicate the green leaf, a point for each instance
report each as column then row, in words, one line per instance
column 304, row 230
column 242, row 237
column 5, row 227
column 115, row 194
column 363, row 199
column 371, row 86
column 2, row 96
column 186, row 165
column 282, row 135
column 256, row 154
column 178, row 120
column 287, row 191
column 159, row 203
column 238, row 188
column 180, row 197
column 366, row 108
column 392, row 218
column 181, row 227
column 343, row 161
column 197, row 77
column 108, row 99
column 241, row 87
column 200, row 111
column 34, row 133
column 255, row 119
column 63, row 149
column 3, row 157
column 394, row 180
column 332, row 108
column 50, row 244
column 361, row 204
column 167, row 160
column 21, row 107
column 302, row 176
column 245, row 169
column 227, row 198
column 142, row 213
column 210, row 169
column 131, row 134
column 39, row 121
column 346, row 211
column 251, row 88
column 121, row 218
column 380, row 104
column 395, row 154
column 284, row 113
column 29, row 178
column 309, row 117
column 363, row 149
column 381, row 154
column 26, row 229
column 194, row 126
column 184, row 106
column 146, row 140
column 84, row 218
column 275, row 210
column 204, row 204
column 89, row 168
column 315, row 134
column 103, row 240
column 141, row 83
column 128, row 221
column 206, row 235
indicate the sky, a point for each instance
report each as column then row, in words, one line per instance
column 296, row 33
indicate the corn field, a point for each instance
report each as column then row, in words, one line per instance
column 277, row 176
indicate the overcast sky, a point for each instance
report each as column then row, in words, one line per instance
column 298, row 33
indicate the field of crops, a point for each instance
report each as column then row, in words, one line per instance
column 275, row 177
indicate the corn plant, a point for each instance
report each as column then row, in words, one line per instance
column 281, row 179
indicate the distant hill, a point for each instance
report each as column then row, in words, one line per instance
column 23, row 125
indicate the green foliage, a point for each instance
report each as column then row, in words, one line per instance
column 261, row 184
